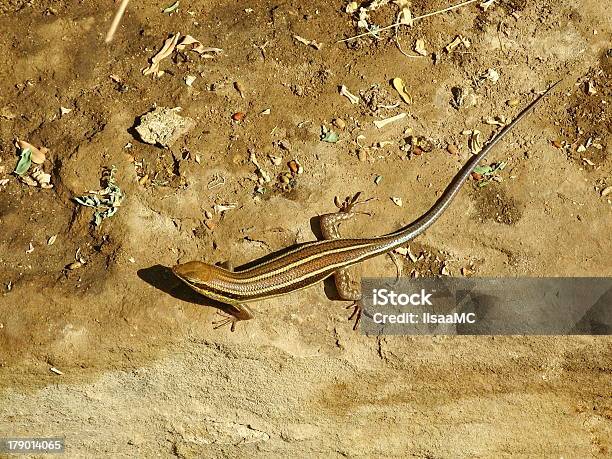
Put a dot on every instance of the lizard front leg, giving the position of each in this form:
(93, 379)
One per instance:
(236, 313)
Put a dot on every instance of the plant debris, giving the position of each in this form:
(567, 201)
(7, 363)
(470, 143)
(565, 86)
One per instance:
(379, 100)
(311, 43)
(474, 140)
(485, 174)
(419, 47)
(263, 175)
(346, 93)
(398, 85)
(459, 40)
(173, 43)
(328, 135)
(28, 155)
(382, 123)
(485, 5)
(172, 8)
(417, 145)
(105, 202)
(25, 161)
(220, 208)
(491, 75)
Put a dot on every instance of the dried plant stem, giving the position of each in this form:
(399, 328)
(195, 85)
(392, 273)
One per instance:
(116, 21)
(397, 24)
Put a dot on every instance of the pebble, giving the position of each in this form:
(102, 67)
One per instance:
(295, 166)
(238, 116)
(513, 102)
(452, 149)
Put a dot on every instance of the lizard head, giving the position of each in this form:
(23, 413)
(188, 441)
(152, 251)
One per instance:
(195, 272)
(203, 278)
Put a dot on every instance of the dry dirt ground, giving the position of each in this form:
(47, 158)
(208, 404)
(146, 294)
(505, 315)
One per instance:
(144, 372)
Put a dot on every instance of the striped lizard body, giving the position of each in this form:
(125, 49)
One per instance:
(312, 262)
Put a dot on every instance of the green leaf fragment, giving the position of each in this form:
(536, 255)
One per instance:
(107, 201)
(483, 170)
(327, 135)
(25, 161)
(488, 173)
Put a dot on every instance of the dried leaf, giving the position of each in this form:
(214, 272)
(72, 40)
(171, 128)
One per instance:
(38, 155)
(166, 50)
(486, 4)
(398, 85)
(171, 8)
(307, 42)
(419, 47)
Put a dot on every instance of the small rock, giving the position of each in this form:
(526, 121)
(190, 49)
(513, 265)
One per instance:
(238, 116)
(295, 166)
(452, 149)
(513, 102)
(163, 126)
(339, 123)
(285, 145)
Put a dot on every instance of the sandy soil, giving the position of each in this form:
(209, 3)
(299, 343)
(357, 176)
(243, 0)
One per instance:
(144, 372)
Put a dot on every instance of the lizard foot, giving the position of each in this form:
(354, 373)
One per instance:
(357, 311)
(350, 202)
(226, 319)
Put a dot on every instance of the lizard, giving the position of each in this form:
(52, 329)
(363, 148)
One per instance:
(309, 263)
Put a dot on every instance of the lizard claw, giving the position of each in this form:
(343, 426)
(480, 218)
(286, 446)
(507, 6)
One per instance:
(350, 202)
(227, 319)
(357, 311)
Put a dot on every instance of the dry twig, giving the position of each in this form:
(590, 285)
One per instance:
(116, 21)
(397, 24)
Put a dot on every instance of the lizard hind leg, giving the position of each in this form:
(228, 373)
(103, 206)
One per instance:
(347, 280)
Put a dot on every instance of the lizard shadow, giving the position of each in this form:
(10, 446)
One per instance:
(162, 278)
